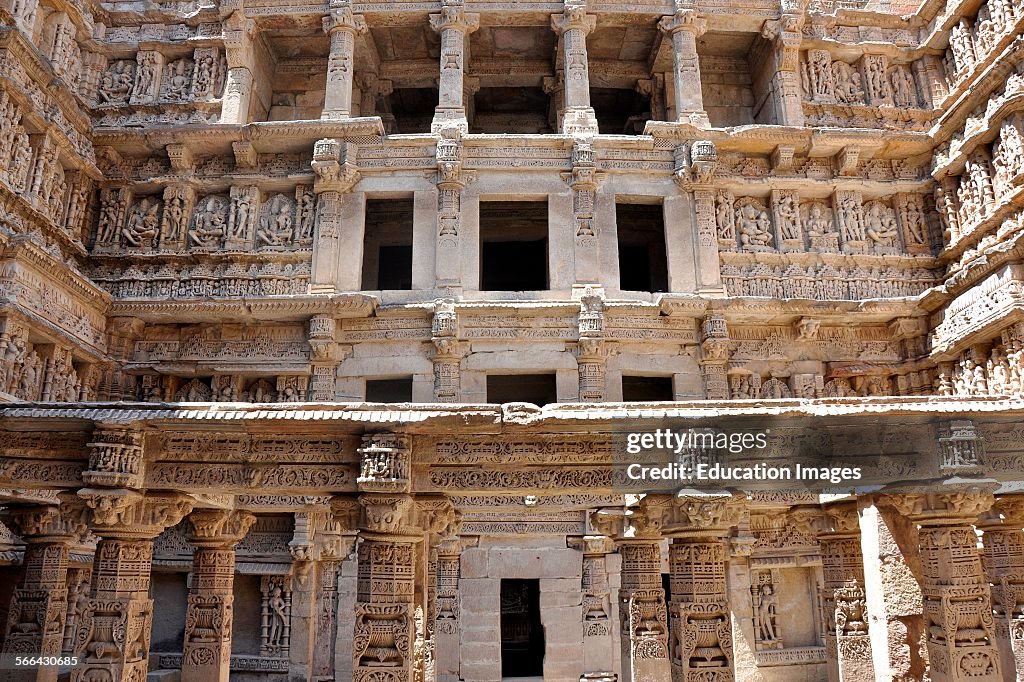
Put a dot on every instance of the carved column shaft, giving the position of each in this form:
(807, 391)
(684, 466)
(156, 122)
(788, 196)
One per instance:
(956, 595)
(847, 642)
(447, 652)
(685, 27)
(574, 25)
(208, 619)
(1003, 560)
(701, 639)
(454, 24)
(114, 632)
(39, 606)
(643, 612)
(342, 26)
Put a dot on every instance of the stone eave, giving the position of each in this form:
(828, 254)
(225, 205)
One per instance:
(283, 309)
(268, 136)
(477, 418)
(876, 310)
(24, 250)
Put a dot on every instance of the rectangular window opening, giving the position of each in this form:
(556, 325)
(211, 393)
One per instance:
(620, 111)
(389, 390)
(642, 389)
(387, 245)
(643, 264)
(539, 389)
(522, 635)
(513, 245)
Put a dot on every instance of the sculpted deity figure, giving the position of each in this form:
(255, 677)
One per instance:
(880, 225)
(847, 83)
(818, 223)
(904, 90)
(754, 226)
(177, 78)
(143, 224)
(787, 214)
(277, 618)
(766, 607)
(276, 224)
(117, 81)
(209, 226)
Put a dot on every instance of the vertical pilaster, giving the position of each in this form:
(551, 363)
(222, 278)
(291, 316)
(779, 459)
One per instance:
(685, 26)
(642, 611)
(451, 180)
(447, 643)
(334, 163)
(847, 643)
(208, 618)
(36, 619)
(238, 84)
(448, 355)
(584, 179)
(453, 24)
(956, 594)
(591, 351)
(785, 35)
(342, 25)
(1003, 559)
(598, 645)
(573, 26)
(715, 352)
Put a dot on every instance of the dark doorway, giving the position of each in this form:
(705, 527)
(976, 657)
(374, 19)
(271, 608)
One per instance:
(413, 109)
(389, 390)
(513, 245)
(647, 389)
(643, 265)
(538, 389)
(387, 248)
(620, 111)
(522, 635)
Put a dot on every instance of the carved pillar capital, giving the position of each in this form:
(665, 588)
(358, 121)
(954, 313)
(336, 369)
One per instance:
(344, 19)
(131, 515)
(217, 528)
(453, 17)
(66, 522)
(335, 166)
(942, 508)
(688, 20)
(574, 18)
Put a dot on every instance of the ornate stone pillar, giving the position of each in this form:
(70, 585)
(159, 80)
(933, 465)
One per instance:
(324, 358)
(642, 612)
(447, 642)
(591, 350)
(685, 26)
(598, 645)
(451, 180)
(208, 620)
(384, 632)
(715, 349)
(573, 26)
(35, 624)
(694, 174)
(342, 25)
(239, 82)
(956, 594)
(454, 24)
(847, 643)
(447, 353)
(584, 179)
(113, 635)
(700, 646)
(785, 35)
(334, 163)
(1003, 559)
